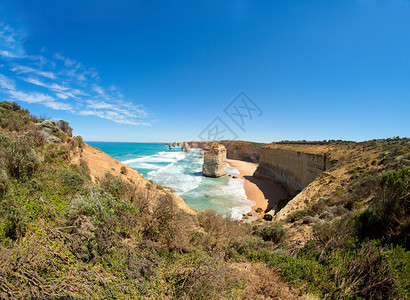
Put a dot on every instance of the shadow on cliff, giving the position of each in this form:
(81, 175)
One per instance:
(271, 190)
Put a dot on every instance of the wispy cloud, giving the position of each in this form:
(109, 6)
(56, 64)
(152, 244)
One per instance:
(11, 42)
(27, 70)
(61, 83)
(7, 83)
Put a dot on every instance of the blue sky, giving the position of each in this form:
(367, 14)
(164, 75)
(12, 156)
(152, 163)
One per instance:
(157, 71)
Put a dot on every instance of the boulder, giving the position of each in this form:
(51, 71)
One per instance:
(169, 147)
(214, 160)
(185, 147)
(268, 217)
(47, 129)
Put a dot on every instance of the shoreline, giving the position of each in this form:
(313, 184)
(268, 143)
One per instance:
(264, 193)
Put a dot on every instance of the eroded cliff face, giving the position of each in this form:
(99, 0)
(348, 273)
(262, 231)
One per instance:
(240, 150)
(100, 163)
(214, 160)
(294, 166)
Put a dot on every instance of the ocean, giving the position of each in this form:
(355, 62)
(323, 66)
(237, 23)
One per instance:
(182, 171)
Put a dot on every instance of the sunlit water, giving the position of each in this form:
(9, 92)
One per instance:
(182, 172)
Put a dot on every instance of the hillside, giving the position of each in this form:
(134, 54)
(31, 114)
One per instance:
(75, 222)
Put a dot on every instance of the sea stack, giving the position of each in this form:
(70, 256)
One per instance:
(185, 147)
(214, 160)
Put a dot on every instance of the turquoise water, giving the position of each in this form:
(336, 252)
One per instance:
(182, 172)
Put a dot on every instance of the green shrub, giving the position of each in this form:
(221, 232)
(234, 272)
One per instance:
(71, 182)
(272, 233)
(123, 170)
(115, 186)
(365, 272)
(20, 159)
(297, 215)
(65, 127)
(4, 183)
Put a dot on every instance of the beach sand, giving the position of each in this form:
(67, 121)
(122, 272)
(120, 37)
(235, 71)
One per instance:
(265, 193)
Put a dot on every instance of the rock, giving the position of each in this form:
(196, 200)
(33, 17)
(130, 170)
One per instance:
(174, 144)
(185, 147)
(169, 147)
(48, 125)
(268, 217)
(214, 160)
(47, 130)
(234, 177)
(259, 210)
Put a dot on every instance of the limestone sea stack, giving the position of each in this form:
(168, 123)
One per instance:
(185, 147)
(214, 160)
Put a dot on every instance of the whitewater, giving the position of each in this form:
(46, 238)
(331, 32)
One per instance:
(182, 171)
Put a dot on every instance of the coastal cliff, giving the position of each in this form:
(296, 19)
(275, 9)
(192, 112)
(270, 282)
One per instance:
(214, 160)
(99, 164)
(239, 150)
(294, 166)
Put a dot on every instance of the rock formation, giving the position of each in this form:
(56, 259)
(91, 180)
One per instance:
(169, 147)
(294, 166)
(214, 160)
(185, 147)
(241, 150)
(48, 129)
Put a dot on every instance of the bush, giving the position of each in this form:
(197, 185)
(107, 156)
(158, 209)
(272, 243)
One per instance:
(20, 159)
(4, 183)
(118, 188)
(297, 215)
(123, 170)
(65, 127)
(272, 233)
(71, 182)
(365, 273)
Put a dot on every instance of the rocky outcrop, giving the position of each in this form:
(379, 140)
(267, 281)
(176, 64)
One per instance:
(185, 147)
(48, 129)
(214, 160)
(198, 145)
(169, 147)
(294, 166)
(241, 150)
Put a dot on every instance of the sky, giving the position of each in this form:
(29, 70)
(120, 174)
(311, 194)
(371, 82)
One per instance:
(164, 71)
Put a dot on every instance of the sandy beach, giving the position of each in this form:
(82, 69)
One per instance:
(265, 193)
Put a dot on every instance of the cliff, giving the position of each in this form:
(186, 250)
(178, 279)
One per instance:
(294, 166)
(239, 150)
(214, 160)
(100, 163)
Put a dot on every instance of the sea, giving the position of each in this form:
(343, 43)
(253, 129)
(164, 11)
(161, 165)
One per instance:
(182, 171)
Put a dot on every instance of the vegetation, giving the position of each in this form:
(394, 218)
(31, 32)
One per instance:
(63, 235)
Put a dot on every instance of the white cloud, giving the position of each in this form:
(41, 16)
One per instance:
(53, 86)
(67, 61)
(6, 53)
(10, 42)
(31, 97)
(69, 85)
(7, 83)
(98, 89)
(58, 105)
(24, 69)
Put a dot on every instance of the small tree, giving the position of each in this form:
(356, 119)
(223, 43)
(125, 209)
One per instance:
(65, 127)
